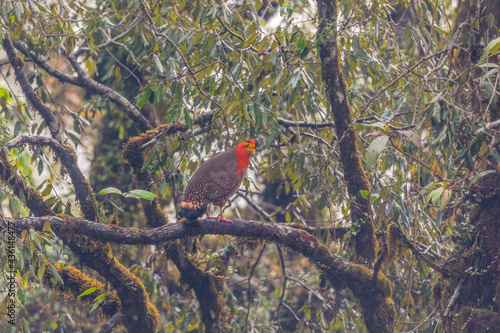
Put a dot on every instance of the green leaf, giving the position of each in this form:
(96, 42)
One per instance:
(74, 138)
(469, 162)
(171, 165)
(67, 209)
(41, 271)
(158, 93)
(144, 97)
(413, 137)
(187, 118)
(142, 194)
(158, 64)
(34, 238)
(374, 150)
(40, 167)
(26, 326)
(479, 176)
(365, 194)
(88, 291)
(97, 301)
(18, 10)
(47, 189)
(109, 190)
(55, 274)
(148, 162)
(434, 195)
(492, 48)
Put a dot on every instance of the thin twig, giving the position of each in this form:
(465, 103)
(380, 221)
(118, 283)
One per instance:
(282, 298)
(408, 71)
(249, 294)
(113, 40)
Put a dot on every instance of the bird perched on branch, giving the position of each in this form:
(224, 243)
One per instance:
(216, 181)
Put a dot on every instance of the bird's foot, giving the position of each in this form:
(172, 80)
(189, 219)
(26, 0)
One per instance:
(208, 217)
(222, 218)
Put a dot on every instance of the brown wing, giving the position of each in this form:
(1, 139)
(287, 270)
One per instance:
(222, 186)
(215, 180)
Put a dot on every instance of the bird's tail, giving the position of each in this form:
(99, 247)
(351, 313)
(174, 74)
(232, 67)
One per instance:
(192, 210)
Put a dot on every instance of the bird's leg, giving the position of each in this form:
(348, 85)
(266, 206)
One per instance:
(208, 215)
(221, 217)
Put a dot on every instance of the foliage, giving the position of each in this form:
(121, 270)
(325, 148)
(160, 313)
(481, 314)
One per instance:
(423, 85)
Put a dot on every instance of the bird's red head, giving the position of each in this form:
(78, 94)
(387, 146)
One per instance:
(243, 152)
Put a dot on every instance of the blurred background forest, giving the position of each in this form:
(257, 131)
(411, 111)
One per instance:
(378, 124)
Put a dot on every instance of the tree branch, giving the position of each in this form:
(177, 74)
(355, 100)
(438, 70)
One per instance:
(372, 293)
(291, 123)
(26, 193)
(68, 159)
(113, 40)
(130, 290)
(45, 112)
(489, 126)
(354, 174)
(85, 81)
(409, 70)
(112, 323)
(76, 282)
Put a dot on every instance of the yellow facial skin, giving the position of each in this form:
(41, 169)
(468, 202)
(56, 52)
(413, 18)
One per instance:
(251, 145)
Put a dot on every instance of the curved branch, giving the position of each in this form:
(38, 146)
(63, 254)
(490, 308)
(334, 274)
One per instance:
(278, 233)
(46, 113)
(26, 193)
(76, 282)
(374, 293)
(85, 81)
(68, 159)
(114, 39)
(44, 64)
(291, 123)
(141, 315)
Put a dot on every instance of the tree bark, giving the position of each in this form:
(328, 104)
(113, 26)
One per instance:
(336, 90)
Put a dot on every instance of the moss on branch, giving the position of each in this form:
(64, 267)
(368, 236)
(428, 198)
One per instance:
(373, 293)
(336, 90)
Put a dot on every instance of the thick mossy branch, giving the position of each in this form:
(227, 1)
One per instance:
(140, 313)
(133, 151)
(476, 320)
(112, 323)
(94, 254)
(204, 285)
(336, 90)
(374, 293)
(69, 160)
(474, 308)
(76, 282)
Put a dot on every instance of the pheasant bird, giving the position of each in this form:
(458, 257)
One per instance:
(216, 181)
